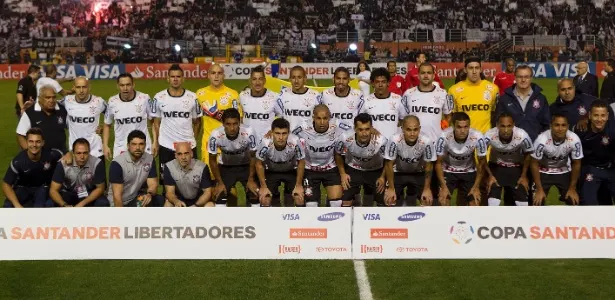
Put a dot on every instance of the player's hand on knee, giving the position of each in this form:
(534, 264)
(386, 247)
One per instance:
(345, 178)
(299, 199)
(490, 182)
(426, 198)
(380, 185)
(523, 182)
(180, 203)
(264, 193)
(573, 196)
(219, 189)
(252, 187)
(539, 197)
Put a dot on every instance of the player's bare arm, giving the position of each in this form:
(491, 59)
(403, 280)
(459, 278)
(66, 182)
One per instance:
(10, 194)
(172, 198)
(54, 194)
(215, 170)
(539, 195)
(388, 176)
(105, 136)
(251, 185)
(444, 195)
(339, 161)
(480, 173)
(205, 200)
(427, 195)
(196, 126)
(574, 178)
(156, 130)
(298, 192)
(118, 189)
(523, 180)
(264, 194)
(21, 141)
(491, 178)
(152, 189)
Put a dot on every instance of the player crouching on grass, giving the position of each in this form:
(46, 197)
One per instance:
(280, 158)
(236, 160)
(456, 166)
(186, 180)
(555, 151)
(509, 162)
(362, 164)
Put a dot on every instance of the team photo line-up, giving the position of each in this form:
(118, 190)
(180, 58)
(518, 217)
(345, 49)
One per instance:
(494, 142)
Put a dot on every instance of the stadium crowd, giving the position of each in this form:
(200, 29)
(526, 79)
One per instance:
(409, 134)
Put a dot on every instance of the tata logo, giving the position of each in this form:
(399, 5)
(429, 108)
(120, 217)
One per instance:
(371, 217)
(331, 216)
(290, 217)
(409, 217)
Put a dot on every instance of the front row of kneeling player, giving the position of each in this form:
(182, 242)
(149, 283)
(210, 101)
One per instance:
(323, 152)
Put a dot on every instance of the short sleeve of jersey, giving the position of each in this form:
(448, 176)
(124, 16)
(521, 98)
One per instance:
(539, 147)
(252, 138)
(109, 114)
(58, 174)
(149, 110)
(481, 147)
(262, 150)
(212, 144)
(577, 149)
(340, 146)
(152, 172)
(528, 146)
(167, 178)
(206, 179)
(300, 149)
(116, 175)
(429, 154)
(441, 144)
(278, 109)
(99, 173)
(197, 112)
(154, 108)
(20, 86)
(390, 151)
(448, 105)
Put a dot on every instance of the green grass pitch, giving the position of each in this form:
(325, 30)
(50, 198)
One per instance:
(290, 279)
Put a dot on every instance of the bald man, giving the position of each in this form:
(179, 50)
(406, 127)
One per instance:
(84, 110)
(585, 82)
(575, 107)
(186, 180)
(214, 99)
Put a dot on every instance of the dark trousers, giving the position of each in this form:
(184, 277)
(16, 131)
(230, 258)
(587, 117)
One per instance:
(29, 196)
(593, 182)
(71, 198)
(157, 201)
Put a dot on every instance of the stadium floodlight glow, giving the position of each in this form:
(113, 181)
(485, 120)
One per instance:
(177, 48)
(352, 47)
(313, 45)
(127, 46)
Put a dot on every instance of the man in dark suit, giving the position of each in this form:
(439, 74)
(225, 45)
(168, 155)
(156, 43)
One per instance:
(585, 82)
(607, 92)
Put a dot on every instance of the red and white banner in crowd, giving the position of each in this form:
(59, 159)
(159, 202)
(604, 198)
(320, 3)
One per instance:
(313, 70)
(13, 72)
(484, 232)
(160, 71)
(163, 233)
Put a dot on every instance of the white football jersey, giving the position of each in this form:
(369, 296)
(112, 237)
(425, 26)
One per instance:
(509, 154)
(258, 112)
(127, 116)
(555, 158)
(296, 108)
(410, 159)
(176, 115)
(385, 113)
(232, 152)
(83, 119)
(363, 158)
(345, 107)
(320, 147)
(284, 160)
(459, 158)
(428, 107)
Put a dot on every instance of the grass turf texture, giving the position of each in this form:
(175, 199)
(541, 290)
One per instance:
(183, 279)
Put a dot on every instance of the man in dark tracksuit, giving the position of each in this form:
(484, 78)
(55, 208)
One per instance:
(530, 112)
(598, 169)
(607, 91)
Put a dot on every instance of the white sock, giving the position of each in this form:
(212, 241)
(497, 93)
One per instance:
(220, 205)
(494, 201)
(255, 205)
(521, 203)
(336, 203)
(311, 204)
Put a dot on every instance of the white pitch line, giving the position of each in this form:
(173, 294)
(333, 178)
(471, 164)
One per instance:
(365, 290)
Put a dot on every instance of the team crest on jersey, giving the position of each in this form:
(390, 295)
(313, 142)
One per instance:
(332, 136)
(350, 105)
(393, 105)
(60, 120)
(489, 87)
(93, 110)
(266, 105)
(139, 108)
(224, 99)
(582, 110)
(398, 85)
(536, 104)
(196, 179)
(589, 177)
(46, 166)
(487, 95)
(307, 102)
(605, 140)
(146, 167)
(459, 89)
(88, 176)
(186, 104)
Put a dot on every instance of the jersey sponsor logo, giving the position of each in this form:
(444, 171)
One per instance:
(460, 157)
(256, 116)
(131, 120)
(409, 160)
(471, 107)
(556, 157)
(83, 120)
(177, 114)
(426, 109)
(362, 159)
(384, 118)
(238, 152)
(298, 113)
(343, 116)
(321, 149)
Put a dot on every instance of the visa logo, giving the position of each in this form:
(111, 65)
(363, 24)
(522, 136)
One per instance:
(290, 217)
(371, 217)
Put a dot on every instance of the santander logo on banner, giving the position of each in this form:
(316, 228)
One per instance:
(161, 71)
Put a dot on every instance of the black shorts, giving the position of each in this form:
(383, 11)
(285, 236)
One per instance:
(166, 155)
(326, 178)
(275, 179)
(560, 181)
(233, 174)
(415, 182)
(190, 202)
(461, 181)
(365, 179)
(507, 178)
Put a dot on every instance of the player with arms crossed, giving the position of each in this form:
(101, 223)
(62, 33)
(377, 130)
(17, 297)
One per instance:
(362, 164)
(281, 158)
(382, 105)
(551, 162)
(456, 166)
(343, 101)
(235, 162)
(509, 162)
(186, 180)
(258, 104)
(297, 104)
(321, 137)
(411, 156)
(177, 117)
(127, 111)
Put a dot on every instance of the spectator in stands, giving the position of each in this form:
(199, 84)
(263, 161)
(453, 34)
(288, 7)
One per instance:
(585, 82)
(607, 91)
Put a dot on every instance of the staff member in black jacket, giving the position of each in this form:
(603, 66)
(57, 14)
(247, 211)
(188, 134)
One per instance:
(26, 89)
(607, 92)
(585, 82)
(525, 102)
(575, 107)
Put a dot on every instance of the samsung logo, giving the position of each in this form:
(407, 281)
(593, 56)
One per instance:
(409, 217)
(331, 216)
